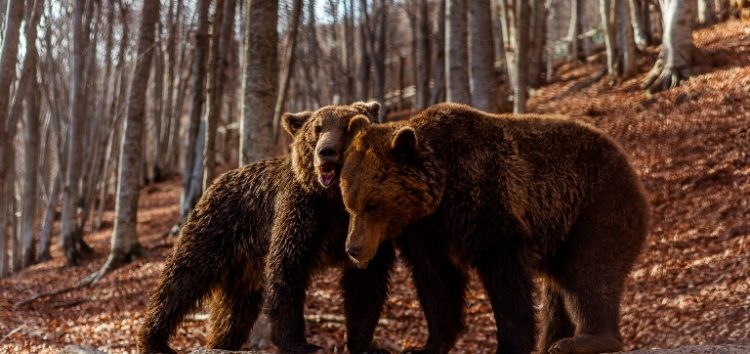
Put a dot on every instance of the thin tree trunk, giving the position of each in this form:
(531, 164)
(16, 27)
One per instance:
(574, 30)
(678, 51)
(379, 54)
(8, 60)
(125, 245)
(520, 91)
(626, 49)
(438, 91)
(199, 88)
(261, 82)
(705, 13)
(289, 56)
(49, 220)
(537, 39)
(72, 236)
(457, 60)
(424, 56)
(364, 55)
(31, 167)
(484, 81)
(223, 26)
(608, 27)
(640, 32)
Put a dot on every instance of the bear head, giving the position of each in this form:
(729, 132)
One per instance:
(388, 181)
(320, 140)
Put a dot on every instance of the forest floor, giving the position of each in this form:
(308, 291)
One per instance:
(691, 145)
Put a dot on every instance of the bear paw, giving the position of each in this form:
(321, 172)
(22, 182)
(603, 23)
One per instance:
(304, 348)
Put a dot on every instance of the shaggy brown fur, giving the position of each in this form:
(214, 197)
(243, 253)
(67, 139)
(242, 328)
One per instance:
(507, 196)
(227, 241)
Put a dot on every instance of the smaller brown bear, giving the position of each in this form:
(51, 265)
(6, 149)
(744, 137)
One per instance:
(227, 242)
(506, 196)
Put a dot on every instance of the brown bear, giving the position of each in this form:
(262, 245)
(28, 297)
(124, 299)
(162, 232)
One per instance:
(507, 196)
(227, 242)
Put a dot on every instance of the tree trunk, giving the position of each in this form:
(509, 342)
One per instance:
(49, 220)
(364, 56)
(125, 245)
(637, 16)
(261, 82)
(31, 167)
(537, 40)
(484, 81)
(457, 60)
(438, 91)
(515, 25)
(608, 27)
(72, 236)
(224, 26)
(424, 56)
(705, 13)
(289, 56)
(626, 49)
(574, 29)
(198, 91)
(8, 60)
(678, 51)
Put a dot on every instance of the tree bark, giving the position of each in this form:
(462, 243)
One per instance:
(424, 53)
(72, 236)
(626, 49)
(484, 81)
(224, 26)
(31, 167)
(260, 83)
(537, 40)
(364, 56)
(200, 56)
(637, 17)
(49, 220)
(574, 29)
(678, 51)
(289, 56)
(457, 60)
(608, 27)
(125, 245)
(438, 91)
(8, 60)
(515, 24)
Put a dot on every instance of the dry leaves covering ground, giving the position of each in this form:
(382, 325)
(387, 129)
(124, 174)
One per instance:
(691, 145)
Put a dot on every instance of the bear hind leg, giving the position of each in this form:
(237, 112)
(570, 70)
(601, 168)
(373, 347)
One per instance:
(234, 308)
(555, 321)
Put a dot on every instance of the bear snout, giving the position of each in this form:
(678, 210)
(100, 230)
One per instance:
(328, 154)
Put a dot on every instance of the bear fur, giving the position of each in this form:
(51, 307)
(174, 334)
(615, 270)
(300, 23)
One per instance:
(509, 197)
(238, 227)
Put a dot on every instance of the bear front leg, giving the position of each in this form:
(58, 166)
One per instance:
(365, 292)
(294, 246)
(509, 286)
(440, 288)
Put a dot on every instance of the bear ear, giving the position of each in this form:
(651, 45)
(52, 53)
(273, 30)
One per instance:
(292, 122)
(404, 141)
(371, 109)
(357, 123)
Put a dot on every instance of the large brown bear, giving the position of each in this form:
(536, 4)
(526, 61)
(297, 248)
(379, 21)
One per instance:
(507, 196)
(227, 242)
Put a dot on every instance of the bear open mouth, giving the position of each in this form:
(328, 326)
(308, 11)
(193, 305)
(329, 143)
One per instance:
(327, 173)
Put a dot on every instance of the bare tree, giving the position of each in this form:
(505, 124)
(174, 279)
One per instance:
(260, 81)
(638, 16)
(678, 51)
(364, 55)
(190, 186)
(438, 91)
(8, 60)
(223, 26)
(289, 56)
(424, 55)
(457, 58)
(484, 81)
(619, 40)
(125, 245)
(514, 15)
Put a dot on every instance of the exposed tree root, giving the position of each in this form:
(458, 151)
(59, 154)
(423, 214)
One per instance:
(114, 261)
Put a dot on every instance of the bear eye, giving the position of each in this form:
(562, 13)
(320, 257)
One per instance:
(318, 128)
